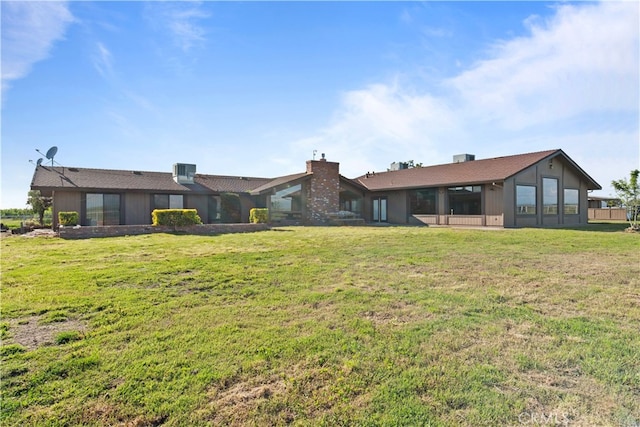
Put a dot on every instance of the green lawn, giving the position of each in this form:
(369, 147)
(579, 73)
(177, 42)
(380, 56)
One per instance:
(324, 326)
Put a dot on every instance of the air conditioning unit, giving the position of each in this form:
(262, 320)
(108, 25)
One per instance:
(184, 173)
(461, 158)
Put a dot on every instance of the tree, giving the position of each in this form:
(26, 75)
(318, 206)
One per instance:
(629, 194)
(39, 203)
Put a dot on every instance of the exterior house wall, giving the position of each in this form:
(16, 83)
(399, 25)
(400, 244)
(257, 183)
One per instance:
(548, 168)
(398, 207)
(66, 201)
(246, 204)
(137, 208)
(442, 202)
(323, 192)
(493, 199)
(528, 176)
(199, 203)
(320, 193)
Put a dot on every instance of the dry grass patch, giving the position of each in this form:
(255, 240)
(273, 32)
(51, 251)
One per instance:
(31, 333)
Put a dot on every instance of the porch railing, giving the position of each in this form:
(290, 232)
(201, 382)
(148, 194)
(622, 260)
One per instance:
(469, 220)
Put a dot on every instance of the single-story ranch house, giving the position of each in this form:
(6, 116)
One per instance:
(538, 189)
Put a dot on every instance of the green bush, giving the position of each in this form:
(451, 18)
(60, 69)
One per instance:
(230, 208)
(259, 215)
(68, 218)
(175, 217)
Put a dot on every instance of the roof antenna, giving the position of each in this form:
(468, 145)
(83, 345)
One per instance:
(314, 154)
(37, 163)
(51, 153)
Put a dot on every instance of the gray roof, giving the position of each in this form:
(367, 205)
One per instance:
(48, 178)
(266, 187)
(464, 173)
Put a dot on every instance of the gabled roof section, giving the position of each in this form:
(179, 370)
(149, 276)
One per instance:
(57, 178)
(353, 182)
(276, 182)
(465, 173)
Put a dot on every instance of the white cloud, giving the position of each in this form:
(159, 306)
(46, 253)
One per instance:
(583, 59)
(384, 121)
(572, 83)
(181, 20)
(29, 31)
(103, 61)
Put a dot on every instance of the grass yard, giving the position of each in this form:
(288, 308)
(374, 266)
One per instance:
(324, 326)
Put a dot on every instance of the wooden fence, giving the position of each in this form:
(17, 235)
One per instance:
(618, 214)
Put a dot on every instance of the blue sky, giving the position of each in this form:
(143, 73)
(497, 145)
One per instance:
(253, 88)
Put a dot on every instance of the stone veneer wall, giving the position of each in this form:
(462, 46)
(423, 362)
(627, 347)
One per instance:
(132, 230)
(323, 191)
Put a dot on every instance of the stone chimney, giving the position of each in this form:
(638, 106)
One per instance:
(323, 191)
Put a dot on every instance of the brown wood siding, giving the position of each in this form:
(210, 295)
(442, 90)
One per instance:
(200, 204)
(509, 197)
(567, 178)
(443, 201)
(397, 207)
(494, 220)
(475, 220)
(246, 204)
(493, 199)
(137, 208)
(66, 201)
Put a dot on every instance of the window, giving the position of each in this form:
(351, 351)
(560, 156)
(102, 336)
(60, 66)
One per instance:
(103, 209)
(213, 209)
(549, 196)
(287, 203)
(423, 201)
(465, 200)
(168, 201)
(571, 201)
(525, 199)
(379, 209)
(351, 203)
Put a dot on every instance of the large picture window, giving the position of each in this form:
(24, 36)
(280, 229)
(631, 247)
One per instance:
(550, 196)
(465, 200)
(287, 203)
(571, 201)
(103, 209)
(423, 201)
(526, 199)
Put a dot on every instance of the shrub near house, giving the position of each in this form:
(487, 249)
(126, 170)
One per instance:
(259, 215)
(68, 219)
(175, 217)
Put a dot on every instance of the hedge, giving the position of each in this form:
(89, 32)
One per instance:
(230, 208)
(259, 215)
(68, 219)
(175, 217)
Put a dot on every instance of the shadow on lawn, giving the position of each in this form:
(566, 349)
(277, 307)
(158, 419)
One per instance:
(603, 226)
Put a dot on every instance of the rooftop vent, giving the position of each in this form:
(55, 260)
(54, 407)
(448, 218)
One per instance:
(183, 173)
(461, 158)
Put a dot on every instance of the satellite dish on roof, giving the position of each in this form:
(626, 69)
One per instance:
(39, 162)
(51, 152)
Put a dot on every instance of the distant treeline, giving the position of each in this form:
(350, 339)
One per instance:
(15, 212)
